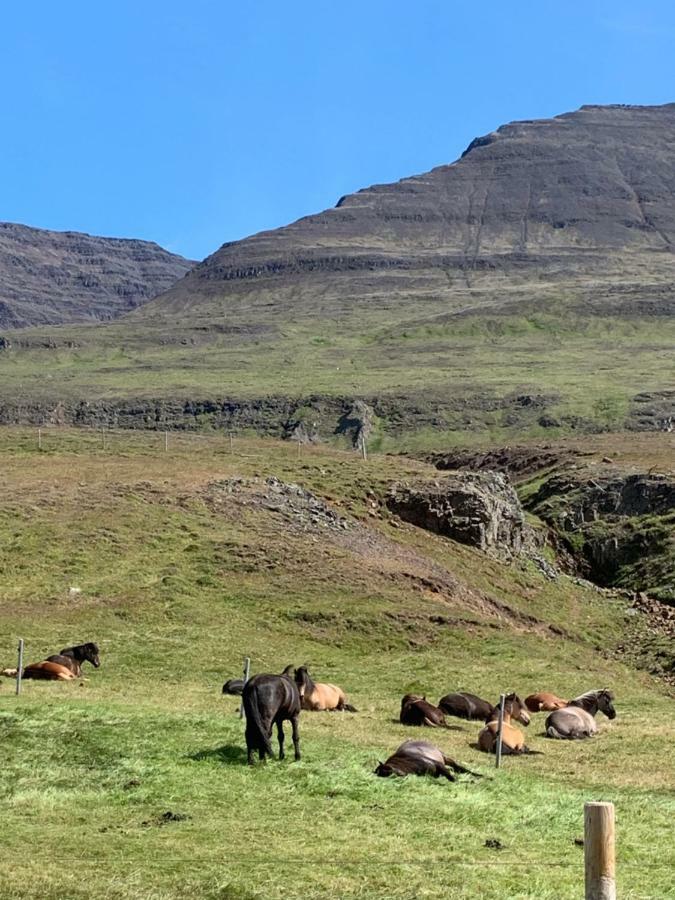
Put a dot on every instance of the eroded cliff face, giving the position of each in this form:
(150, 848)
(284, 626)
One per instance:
(479, 509)
(621, 528)
(53, 277)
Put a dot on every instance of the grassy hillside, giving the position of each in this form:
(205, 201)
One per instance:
(445, 380)
(183, 570)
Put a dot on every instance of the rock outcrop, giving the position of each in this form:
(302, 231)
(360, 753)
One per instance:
(479, 509)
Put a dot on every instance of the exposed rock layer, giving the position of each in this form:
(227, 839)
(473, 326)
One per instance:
(479, 509)
(52, 277)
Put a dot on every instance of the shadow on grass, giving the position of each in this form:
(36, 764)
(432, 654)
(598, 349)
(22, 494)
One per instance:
(229, 754)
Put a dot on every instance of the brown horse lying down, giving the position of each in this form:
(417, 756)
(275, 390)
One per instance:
(577, 720)
(466, 706)
(421, 758)
(45, 671)
(513, 739)
(544, 702)
(63, 666)
(317, 696)
(416, 711)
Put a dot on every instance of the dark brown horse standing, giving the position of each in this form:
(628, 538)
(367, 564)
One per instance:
(421, 758)
(416, 711)
(269, 700)
(466, 706)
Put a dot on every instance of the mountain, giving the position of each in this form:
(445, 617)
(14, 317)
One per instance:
(556, 200)
(526, 289)
(53, 277)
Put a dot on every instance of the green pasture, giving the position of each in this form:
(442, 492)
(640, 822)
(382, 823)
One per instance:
(132, 782)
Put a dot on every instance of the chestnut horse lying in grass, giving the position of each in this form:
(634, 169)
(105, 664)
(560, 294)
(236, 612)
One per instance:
(544, 702)
(421, 758)
(63, 666)
(317, 696)
(577, 720)
(416, 711)
(513, 739)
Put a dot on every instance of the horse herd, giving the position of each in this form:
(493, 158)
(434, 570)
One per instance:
(270, 700)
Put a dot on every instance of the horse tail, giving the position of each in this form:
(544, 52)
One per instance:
(350, 708)
(527, 750)
(254, 722)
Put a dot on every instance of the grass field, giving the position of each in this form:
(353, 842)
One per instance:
(476, 358)
(183, 571)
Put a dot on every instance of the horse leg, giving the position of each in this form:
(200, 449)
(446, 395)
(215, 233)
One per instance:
(280, 735)
(445, 772)
(296, 737)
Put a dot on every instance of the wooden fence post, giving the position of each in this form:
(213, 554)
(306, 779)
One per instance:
(247, 669)
(500, 726)
(166, 441)
(39, 439)
(599, 862)
(19, 668)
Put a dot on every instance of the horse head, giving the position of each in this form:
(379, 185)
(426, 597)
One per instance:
(91, 653)
(82, 652)
(301, 679)
(516, 708)
(605, 698)
(411, 698)
(384, 770)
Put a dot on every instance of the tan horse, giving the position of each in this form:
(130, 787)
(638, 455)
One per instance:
(44, 671)
(544, 702)
(513, 739)
(316, 696)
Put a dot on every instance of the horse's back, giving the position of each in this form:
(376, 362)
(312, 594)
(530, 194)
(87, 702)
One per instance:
(48, 671)
(276, 694)
(570, 722)
(465, 706)
(544, 702)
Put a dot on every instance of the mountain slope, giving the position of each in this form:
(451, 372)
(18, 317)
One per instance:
(52, 277)
(528, 288)
(550, 197)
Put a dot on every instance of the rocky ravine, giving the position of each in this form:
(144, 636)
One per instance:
(54, 277)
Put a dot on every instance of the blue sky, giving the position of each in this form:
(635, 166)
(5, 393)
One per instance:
(193, 123)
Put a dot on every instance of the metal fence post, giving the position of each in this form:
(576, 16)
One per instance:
(247, 669)
(500, 726)
(19, 668)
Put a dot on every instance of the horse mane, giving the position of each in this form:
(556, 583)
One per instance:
(306, 679)
(589, 698)
(78, 651)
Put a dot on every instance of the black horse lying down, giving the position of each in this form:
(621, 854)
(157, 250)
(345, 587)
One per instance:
(466, 706)
(73, 657)
(421, 758)
(234, 686)
(269, 699)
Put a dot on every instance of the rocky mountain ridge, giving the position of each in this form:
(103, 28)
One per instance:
(52, 277)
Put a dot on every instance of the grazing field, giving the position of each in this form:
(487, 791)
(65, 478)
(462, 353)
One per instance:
(132, 782)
